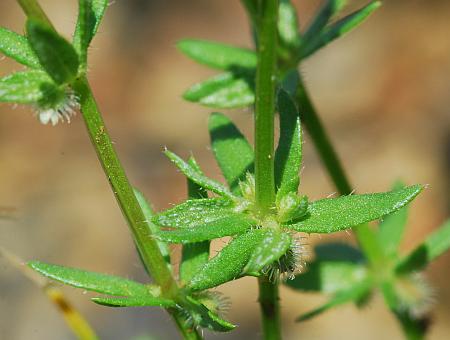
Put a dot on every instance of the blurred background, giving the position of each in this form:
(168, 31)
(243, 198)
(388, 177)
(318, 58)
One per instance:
(383, 92)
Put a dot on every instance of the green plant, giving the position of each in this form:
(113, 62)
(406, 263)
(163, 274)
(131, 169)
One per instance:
(260, 207)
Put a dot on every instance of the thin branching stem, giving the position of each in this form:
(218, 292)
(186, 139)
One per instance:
(147, 247)
(264, 148)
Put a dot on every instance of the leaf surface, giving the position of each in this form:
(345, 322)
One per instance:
(434, 246)
(355, 294)
(90, 14)
(217, 55)
(134, 301)
(97, 282)
(233, 152)
(338, 29)
(335, 214)
(229, 263)
(228, 226)
(28, 87)
(206, 318)
(154, 229)
(16, 46)
(55, 54)
(194, 255)
(195, 212)
(273, 245)
(191, 172)
(288, 156)
(224, 91)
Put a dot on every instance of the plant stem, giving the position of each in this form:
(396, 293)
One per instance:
(148, 248)
(265, 105)
(34, 11)
(270, 308)
(331, 161)
(264, 146)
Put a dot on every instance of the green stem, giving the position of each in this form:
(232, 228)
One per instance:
(270, 308)
(331, 161)
(265, 105)
(264, 148)
(34, 11)
(147, 246)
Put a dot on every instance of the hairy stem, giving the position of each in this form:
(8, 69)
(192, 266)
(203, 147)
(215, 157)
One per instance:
(147, 247)
(265, 105)
(270, 309)
(264, 148)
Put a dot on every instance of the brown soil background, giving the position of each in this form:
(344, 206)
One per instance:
(383, 92)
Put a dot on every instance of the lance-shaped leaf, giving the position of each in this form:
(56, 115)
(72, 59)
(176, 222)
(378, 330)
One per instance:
(391, 229)
(229, 263)
(217, 55)
(288, 28)
(149, 214)
(338, 29)
(288, 156)
(191, 172)
(230, 225)
(224, 91)
(134, 301)
(321, 19)
(205, 318)
(192, 213)
(329, 277)
(335, 214)
(28, 87)
(16, 46)
(194, 255)
(435, 245)
(90, 14)
(97, 282)
(355, 294)
(55, 54)
(337, 266)
(274, 244)
(233, 152)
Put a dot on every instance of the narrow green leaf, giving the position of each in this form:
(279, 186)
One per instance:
(329, 277)
(326, 12)
(354, 294)
(90, 14)
(195, 212)
(134, 301)
(16, 46)
(97, 282)
(231, 225)
(273, 245)
(196, 177)
(229, 263)
(224, 91)
(335, 214)
(338, 252)
(149, 214)
(233, 152)
(28, 87)
(288, 28)
(195, 191)
(338, 29)
(193, 255)
(55, 54)
(288, 156)
(435, 245)
(217, 55)
(205, 318)
(391, 229)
